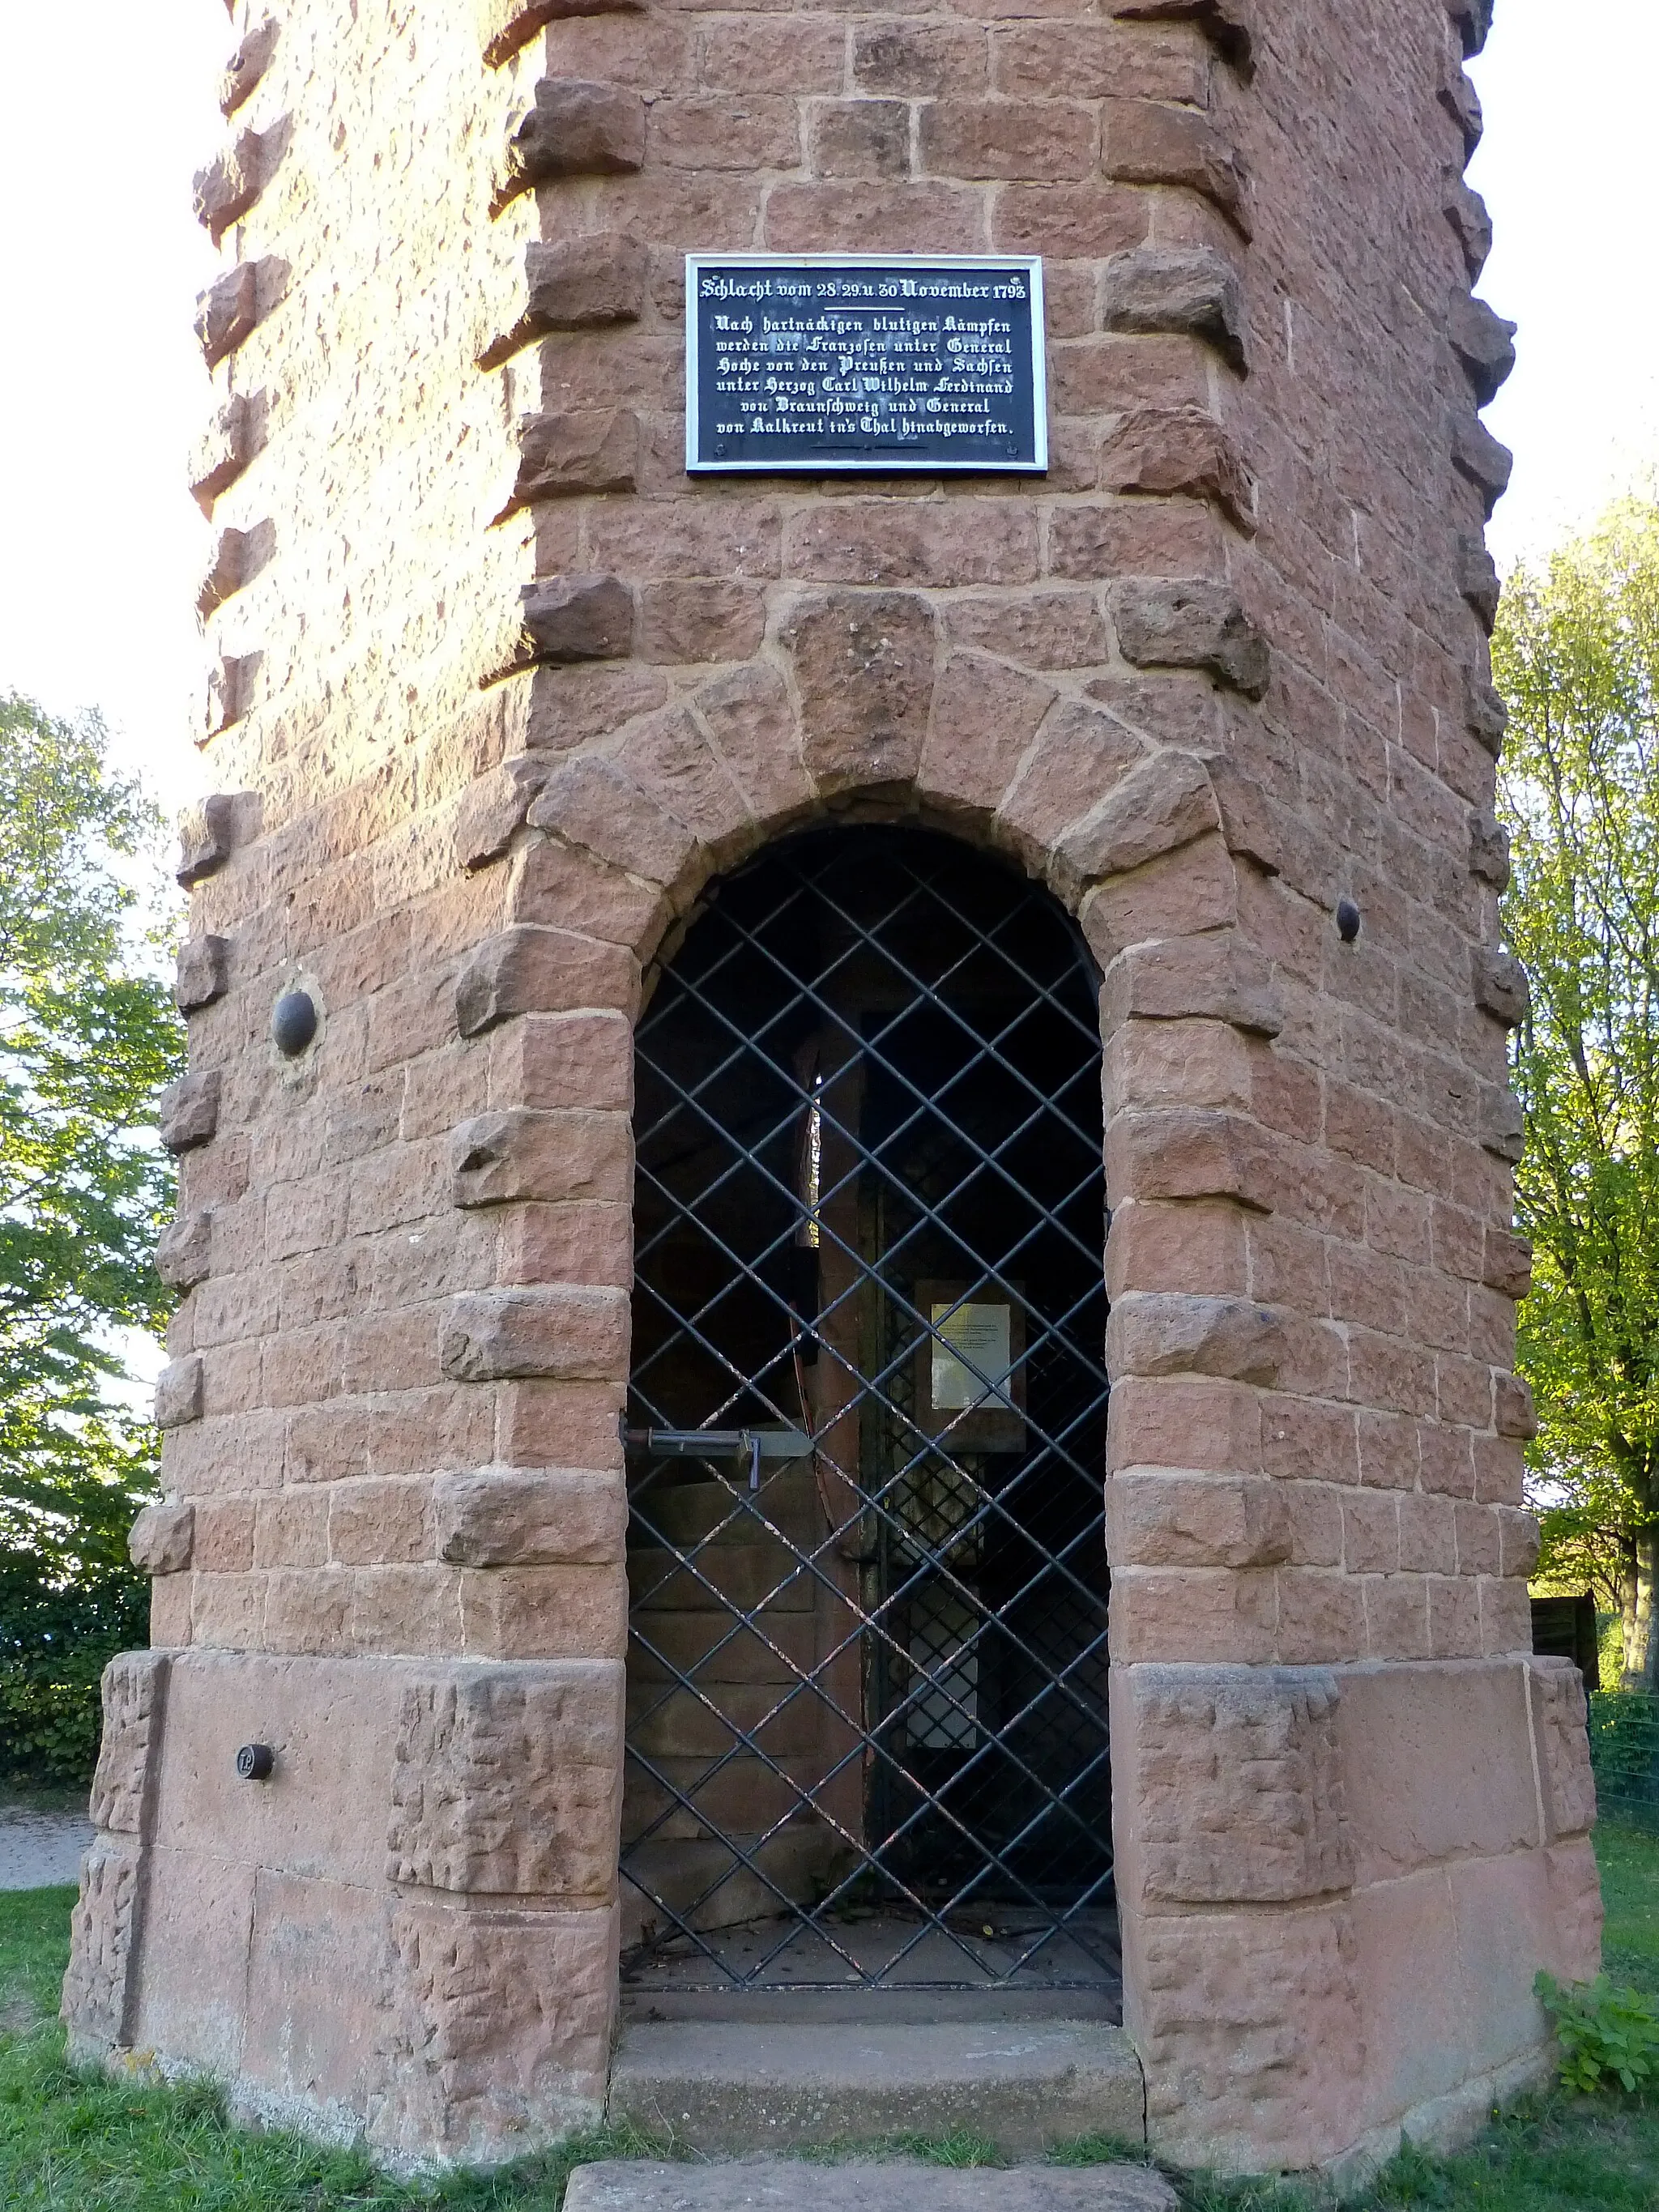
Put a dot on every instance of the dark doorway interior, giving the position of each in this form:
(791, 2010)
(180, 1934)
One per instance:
(867, 1736)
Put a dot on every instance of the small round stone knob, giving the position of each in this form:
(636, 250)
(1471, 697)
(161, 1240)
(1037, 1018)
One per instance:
(254, 1761)
(294, 1022)
(1348, 920)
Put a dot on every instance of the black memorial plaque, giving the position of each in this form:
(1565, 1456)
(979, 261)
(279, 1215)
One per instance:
(821, 361)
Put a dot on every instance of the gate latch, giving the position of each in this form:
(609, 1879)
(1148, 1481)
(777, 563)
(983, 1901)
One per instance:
(751, 1445)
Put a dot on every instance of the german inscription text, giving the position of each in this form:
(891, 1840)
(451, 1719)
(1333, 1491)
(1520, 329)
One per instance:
(827, 362)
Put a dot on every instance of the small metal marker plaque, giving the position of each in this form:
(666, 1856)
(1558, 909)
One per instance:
(819, 361)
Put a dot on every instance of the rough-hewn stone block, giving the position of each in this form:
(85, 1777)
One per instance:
(1485, 714)
(1180, 449)
(861, 138)
(564, 1335)
(223, 192)
(1459, 98)
(1478, 455)
(210, 833)
(1465, 211)
(247, 65)
(1217, 977)
(1190, 1153)
(1250, 823)
(985, 717)
(1507, 1265)
(1489, 851)
(517, 1153)
(1519, 1541)
(227, 311)
(1559, 1719)
(183, 1250)
(230, 441)
(594, 449)
(1165, 1520)
(577, 129)
(230, 691)
(701, 619)
(231, 307)
(507, 1781)
(1472, 20)
(201, 973)
(577, 618)
(1513, 1413)
(587, 282)
(1253, 2035)
(700, 131)
(590, 283)
(1230, 24)
(1191, 290)
(494, 809)
(1484, 344)
(1500, 985)
(161, 1538)
(1477, 581)
(1040, 143)
(1192, 625)
(237, 558)
(530, 1517)
(472, 2080)
(593, 802)
(1160, 806)
(1167, 1333)
(187, 1113)
(99, 1988)
(1151, 143)
(1242, 1799)
(179, 1392)
(920, 59)
(505, 26)
(1574, 1893)
(529, 970)
(1503, 1123)
(134, 1693)
(863, 664)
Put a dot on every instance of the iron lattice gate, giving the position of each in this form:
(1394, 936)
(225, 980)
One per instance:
(867, 1735)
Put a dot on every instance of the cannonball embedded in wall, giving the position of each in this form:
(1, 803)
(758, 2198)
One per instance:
(1348, 920)
(294, 1022)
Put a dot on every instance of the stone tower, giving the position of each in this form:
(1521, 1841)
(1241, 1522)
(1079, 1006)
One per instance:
(502, 694)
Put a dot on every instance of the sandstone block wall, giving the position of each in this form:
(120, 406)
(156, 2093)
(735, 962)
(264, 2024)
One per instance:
(497, 689)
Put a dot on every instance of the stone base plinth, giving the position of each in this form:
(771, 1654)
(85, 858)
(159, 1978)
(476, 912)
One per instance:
(1337, 1885)
(407, 1934)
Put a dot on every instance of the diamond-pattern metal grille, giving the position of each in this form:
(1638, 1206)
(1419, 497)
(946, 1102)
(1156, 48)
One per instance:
(867, 1735)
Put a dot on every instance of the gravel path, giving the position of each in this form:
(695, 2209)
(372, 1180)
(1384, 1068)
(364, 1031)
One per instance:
(37, 1849)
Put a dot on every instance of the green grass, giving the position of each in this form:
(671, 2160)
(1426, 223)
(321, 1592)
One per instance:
(74, 2142)
(1630, 1890)
(71, 2141)
(33, 1952)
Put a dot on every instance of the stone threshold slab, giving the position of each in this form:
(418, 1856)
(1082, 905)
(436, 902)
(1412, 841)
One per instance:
(877, 2008)
(728, 2088)
(790, 2185)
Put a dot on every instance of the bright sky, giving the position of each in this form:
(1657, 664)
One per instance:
(101, 390)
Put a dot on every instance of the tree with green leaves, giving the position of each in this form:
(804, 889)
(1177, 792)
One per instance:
(88, 1036)
(1577, 657)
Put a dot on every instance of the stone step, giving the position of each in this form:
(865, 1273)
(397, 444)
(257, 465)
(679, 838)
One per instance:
(786, 2185)
(726, 2088)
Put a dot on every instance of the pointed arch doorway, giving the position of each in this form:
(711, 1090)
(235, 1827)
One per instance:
(867, 1740)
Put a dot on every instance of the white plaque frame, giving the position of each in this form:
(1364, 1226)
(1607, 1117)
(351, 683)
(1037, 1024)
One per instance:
(865, 464)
